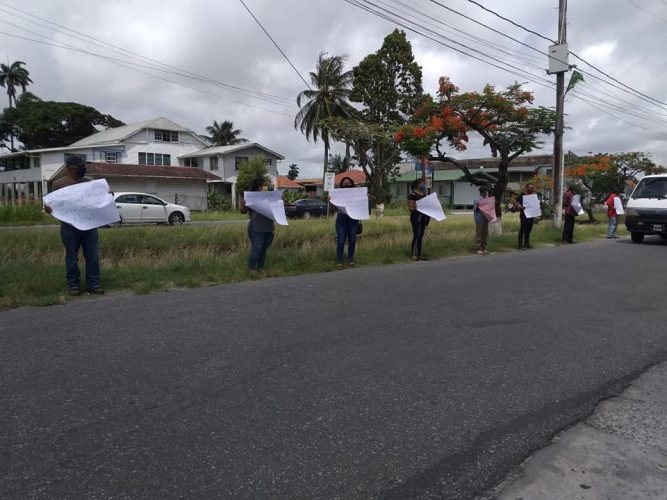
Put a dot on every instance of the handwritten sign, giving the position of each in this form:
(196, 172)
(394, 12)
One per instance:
(85, 206)
(268, 203)
(488, 208)
(618, 206)
(531, 204)
(430, 205)
(352, 201)
(576, 204)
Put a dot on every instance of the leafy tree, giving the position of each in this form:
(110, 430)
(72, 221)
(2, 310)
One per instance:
(249, 171)
(45, 124)
(338, 165)
(505, 119)
(328, 99)
(603, 172)
(224, 134)
(388, 85)
(12, 76)
(293, 172)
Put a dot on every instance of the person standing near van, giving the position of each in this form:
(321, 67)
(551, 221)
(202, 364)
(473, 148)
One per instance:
(612, 215)
(569, 213)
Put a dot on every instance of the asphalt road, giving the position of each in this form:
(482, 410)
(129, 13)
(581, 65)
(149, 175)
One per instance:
(423, 380)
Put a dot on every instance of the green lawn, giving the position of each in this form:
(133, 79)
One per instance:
(148, 258)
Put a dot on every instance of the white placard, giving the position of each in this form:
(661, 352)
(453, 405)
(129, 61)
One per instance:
(576, 204)
(430, 205)
(351, 201)
(268, 203)
(531, 204)
(618, 206)
(329, 181)
(85, 205)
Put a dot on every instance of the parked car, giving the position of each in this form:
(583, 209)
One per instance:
(306, 208)
(143, 208)
(646, 211)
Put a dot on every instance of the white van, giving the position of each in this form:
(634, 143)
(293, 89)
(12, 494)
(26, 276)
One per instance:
(646, 212)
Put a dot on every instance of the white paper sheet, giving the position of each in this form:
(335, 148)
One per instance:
(618, 206)
(85, 206)
(268, 203)
(431, 206)
(531, 205)
(576, 204)
(488, 208)
(351, 201)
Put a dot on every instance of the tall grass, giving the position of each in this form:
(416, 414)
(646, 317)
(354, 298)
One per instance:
(144, 259)
(24, 215)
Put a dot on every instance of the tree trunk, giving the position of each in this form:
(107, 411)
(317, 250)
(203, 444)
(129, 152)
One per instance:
(501, 186)
(326, 155)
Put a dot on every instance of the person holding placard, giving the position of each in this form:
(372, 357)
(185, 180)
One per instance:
(612, 214)
(261, 230)
(418, 220)
(526, 223)
(74, 239)
(481, 223)
(569, 213)
(347, 229)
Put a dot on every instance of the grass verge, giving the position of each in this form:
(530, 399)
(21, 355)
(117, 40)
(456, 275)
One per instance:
(145, 259)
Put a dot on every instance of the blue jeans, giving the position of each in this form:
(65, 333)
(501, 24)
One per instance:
(259, 242)
(73, 240)
(611, 227)
(346, 229)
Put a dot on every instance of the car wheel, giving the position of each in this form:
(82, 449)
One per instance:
(637, 237)
(663, 236)
(307, 215)
(176, 218)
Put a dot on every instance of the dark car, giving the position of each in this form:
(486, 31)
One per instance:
(306, 208)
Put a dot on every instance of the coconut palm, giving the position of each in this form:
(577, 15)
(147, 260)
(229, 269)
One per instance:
(327, 99)
(223, 134)
(12, 76)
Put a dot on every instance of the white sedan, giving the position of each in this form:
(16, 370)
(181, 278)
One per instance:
(142, 208)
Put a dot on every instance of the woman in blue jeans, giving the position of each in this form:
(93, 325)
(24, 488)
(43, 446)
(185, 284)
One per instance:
(346, 229)
(260, 231)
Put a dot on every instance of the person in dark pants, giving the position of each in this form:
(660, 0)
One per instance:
(346, 229)
(481, 224)
(526, 223)
(260, 231)
(569, 213)
(418, 220)
(74, 239)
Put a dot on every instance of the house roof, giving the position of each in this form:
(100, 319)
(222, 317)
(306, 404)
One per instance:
(285, 182)
(117, 134)
(223, 150)
(357, 176)
(311, 182)
(123, 170)
(438, 175)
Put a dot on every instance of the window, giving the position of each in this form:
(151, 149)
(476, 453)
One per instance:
(112, 156)
(150, 200)
(190, 162)
(213, 161)
(269, 162)
(240, 159)
(166, 136)
(128, 198)
(154, 159)
(36, 161)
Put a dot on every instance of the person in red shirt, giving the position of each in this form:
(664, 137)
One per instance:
(569, 213)
(613, 216)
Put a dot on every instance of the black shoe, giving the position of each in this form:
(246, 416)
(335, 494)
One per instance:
(96, 291)
(74, 292)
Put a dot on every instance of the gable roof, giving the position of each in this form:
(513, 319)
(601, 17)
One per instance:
(285, 182)
(125, 170)
(117, 134)
(223, 150)
(357, 176)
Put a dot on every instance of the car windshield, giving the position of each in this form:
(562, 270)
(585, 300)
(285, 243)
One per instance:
(651, 187)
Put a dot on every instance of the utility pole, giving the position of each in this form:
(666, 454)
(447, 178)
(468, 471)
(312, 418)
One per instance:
(560, 106)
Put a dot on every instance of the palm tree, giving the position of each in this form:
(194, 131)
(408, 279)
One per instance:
(328, 99)
(12, 76)
(223, 134)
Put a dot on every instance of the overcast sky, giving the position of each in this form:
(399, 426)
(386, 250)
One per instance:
(219, 40)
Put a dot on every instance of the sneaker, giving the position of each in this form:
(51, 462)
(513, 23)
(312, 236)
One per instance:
(414, 257)
(339, 266)
(96, 290)
(485, 252)
(480, 252)
(351, 264)
(74, 292)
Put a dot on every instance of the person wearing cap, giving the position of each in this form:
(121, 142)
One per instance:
(74, 239)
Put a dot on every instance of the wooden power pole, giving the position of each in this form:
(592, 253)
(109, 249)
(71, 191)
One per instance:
(561, 69)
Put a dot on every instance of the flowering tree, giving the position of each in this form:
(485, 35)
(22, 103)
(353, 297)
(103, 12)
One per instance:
(506, 121)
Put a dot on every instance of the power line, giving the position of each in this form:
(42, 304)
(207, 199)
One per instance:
(277, 46)
(511, 22)
(646, 11)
